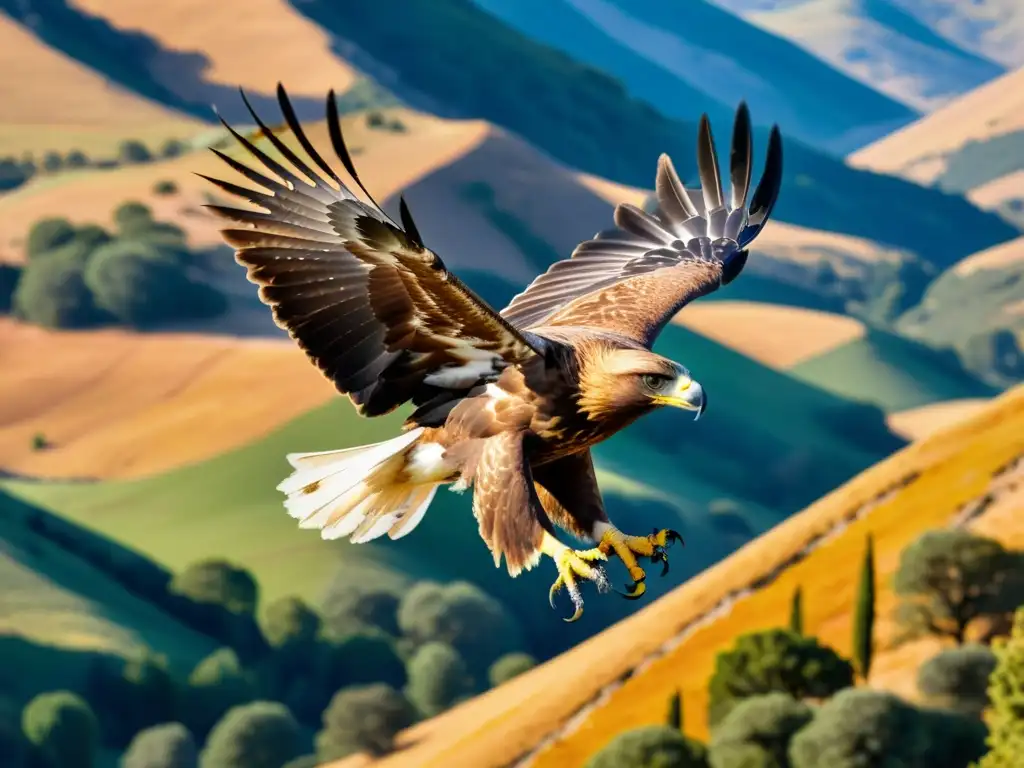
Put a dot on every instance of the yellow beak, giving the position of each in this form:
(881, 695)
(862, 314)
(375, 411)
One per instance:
(687, 394)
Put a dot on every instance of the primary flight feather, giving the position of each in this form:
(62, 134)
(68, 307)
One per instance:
(508, 403)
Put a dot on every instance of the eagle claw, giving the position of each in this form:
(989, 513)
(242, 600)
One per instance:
(572, 567)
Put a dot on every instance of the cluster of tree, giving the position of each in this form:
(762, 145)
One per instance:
(14, 171)
(780, 699)
(140, 275)
(379, 662)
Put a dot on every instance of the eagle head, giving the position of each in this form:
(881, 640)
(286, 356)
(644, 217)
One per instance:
(631, 382)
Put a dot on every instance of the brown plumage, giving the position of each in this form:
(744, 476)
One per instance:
(508, 403)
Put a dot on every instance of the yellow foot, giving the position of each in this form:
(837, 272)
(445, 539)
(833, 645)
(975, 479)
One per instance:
(573, 567)
(628, 548)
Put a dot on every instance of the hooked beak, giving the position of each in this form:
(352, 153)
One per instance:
(688, 395)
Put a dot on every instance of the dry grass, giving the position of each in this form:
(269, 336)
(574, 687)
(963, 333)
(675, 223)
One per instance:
(997, 191)
(54, 102)
(118, 404)
(955, 467)
(267, 42)
(998, 256)
(776, 335)
(919, 423)
(916, 152)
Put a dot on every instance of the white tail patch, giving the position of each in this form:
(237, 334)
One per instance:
(366, 491)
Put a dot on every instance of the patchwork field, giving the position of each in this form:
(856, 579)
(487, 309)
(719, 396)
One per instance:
(672, 643)
(919, 423)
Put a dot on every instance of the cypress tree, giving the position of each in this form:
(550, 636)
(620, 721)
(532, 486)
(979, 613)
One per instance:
(864, 618)
(796, 613)
(675, 711)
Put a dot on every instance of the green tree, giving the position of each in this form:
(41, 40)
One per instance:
(1005, 716)
(757, 732)
(52, 291)
(463, 616)
(651, 746)
(290, 621)
(62, 729)
(173, 148)
(438, 678)
(217, 684)
(52, 162)
(263, 734)
(674, 718)
(775, 660)
(864, 616)
(948, 578)
(133, 151)
(363, 719)
(165, 187)
(132, 216)
(131, 695)
(76, 159)
(796, 612)
(350, 608)
(957, 679)
(162, 746)
(218, 582)
(863, 727)
(47, 234)
(508, 666)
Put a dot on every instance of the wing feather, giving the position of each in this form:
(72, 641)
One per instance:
(373, 308)
(633, 278)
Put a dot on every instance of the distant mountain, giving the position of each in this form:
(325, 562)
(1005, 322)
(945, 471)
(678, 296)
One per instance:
(893, 46)
(685, 57)
(993, 29)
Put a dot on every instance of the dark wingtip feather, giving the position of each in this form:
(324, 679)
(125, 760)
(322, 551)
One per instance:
(407, 222)
(707, 165)
(741, 158)
(767, 191)
(671, 194)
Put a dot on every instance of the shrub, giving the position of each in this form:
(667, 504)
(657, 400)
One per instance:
(62, 730)
(132, 216)
(438, 678)
(131, 696)
(508, 666)
(165, 187)
(757, 732)
(957, 679)
(652, 746)
(173, 148)
(1005, 717)
(76, 159)
(217, 684)
(364, 657)
(350, 608)
(775, 660)
(52, 291)
(290, 621)
(462, 616)
(220, 583)
(860, 727)
(375, 119)
(52, 162)
(363, 719)
(949, 578)
(674, 718)
(262, 734)
(162, 746)
(133, 151)
(47, 234)
(796, 612)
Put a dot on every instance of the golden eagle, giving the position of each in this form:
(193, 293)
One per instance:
(507, 402)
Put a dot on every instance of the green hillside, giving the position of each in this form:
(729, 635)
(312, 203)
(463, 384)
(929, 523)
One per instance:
(891, 372)
(59, 613)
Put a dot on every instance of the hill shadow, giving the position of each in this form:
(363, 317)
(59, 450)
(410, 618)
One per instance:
(126, 58)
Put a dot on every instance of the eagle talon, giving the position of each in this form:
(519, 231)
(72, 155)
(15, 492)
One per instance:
(634, 591)
(574, 566)
(659, 556)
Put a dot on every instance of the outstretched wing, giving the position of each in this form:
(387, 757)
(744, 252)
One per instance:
(632, 279)
(374, 308)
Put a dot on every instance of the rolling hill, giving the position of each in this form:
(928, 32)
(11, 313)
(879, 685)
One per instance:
(438, 57)
(58, 103)
(922, 151)
(878, 42)
(562, 712)
(693, 56)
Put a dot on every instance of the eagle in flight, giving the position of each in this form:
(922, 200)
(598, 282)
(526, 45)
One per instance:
(508, 403)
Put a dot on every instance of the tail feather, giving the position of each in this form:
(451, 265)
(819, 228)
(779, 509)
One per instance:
(358, 492)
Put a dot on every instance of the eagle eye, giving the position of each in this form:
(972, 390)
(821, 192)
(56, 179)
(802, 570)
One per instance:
(655, 381)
